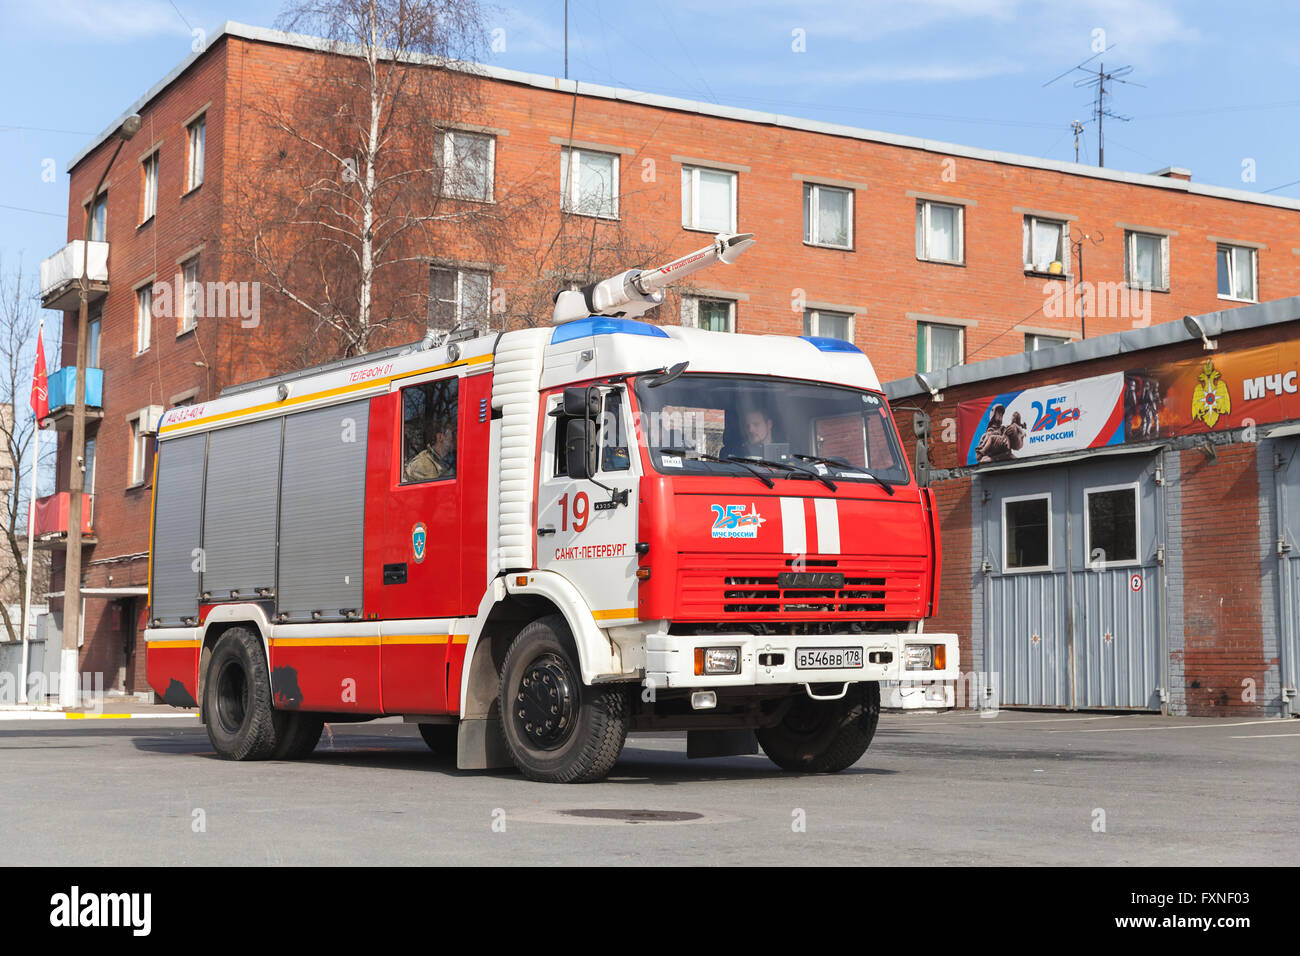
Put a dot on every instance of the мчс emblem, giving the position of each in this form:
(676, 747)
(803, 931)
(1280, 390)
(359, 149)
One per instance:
(1210, 399)
(419, 538)
(733, 521)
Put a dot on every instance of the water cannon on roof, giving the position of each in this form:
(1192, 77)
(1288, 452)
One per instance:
(637, 291)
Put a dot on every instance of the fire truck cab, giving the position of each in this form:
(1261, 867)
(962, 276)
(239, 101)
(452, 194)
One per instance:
(534, 542)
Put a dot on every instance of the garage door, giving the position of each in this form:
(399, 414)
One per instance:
(1072, 584)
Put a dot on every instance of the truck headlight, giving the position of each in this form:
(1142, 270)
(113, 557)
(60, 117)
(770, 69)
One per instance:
(717, 660)
(918, 657)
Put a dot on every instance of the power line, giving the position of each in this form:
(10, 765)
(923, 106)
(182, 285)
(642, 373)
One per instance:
(39, 212)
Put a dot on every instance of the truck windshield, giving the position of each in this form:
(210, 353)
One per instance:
(783, 426)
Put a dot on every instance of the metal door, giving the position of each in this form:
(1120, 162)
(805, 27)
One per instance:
(1067, 624)
(1288, 550)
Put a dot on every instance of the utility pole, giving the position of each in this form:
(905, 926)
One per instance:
(68, 684)
(1078, 128)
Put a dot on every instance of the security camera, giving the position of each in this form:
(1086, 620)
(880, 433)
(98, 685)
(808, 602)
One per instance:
(1195, 327)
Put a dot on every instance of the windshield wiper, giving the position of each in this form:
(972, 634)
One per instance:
(701, 456)
(798, 469)
(842, 464)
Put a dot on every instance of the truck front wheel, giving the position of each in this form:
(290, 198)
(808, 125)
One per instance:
(824, 736)
(557, 730)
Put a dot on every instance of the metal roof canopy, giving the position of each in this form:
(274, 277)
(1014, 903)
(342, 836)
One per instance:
(1282, 431)
(1104, 346)
(1104, 452)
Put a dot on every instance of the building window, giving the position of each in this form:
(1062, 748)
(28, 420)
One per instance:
(939, 232)
(1147, 261)
(98, 213)
(468, 165)
(94, 323)
(1111, 529)
(828, 325)
(191, 298)
(149, 191)
(143, 317)
(1034, 341)
(141, 451)
(1237, 273)
(429, 431)
(827, 216)
(1027, 533)
(459, 297)
(939, 346)
(589, 183)
(712, 315)
(196, 132)
(1046, 245)
(709, 199)
(89, 483)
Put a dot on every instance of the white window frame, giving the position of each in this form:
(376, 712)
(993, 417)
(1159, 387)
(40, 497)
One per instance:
(149, 204)
(570, 191)
(1031, 341)
(691, 216)
(460, 291)
(143, 317)
(448, 144)
(1027, 245)
(691, 310)
(923, 240)
(814, 323)
(188, 313)
(139, 450)
(813, 191)
(195, 159)
(1130, 260)
(929, 358)
(1232, 272)
(1051, 550)
(1137, 527)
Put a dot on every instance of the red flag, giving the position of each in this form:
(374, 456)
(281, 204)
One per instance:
(40, 385)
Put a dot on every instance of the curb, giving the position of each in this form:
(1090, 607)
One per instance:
(61, 715)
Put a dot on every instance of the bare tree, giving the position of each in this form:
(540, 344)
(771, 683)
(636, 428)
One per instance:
(19, 324)
(349, 194)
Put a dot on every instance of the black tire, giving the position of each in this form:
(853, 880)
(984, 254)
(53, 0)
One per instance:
(441, 738)
(300, 736)
(242, 723)
(556, 729)
(824, 736)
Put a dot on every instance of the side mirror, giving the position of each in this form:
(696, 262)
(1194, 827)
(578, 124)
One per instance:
(581, 402)
(580, 445)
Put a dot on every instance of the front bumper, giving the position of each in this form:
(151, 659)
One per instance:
(771, 659)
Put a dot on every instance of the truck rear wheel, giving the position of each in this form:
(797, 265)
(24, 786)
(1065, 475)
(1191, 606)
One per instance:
(299, 737)
(556, 729)
(242, 723)
(824, 736)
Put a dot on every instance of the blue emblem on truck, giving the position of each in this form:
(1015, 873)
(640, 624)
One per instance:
(419, 537)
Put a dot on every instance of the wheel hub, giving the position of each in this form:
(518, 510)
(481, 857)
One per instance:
(232, 697)
(544, 702)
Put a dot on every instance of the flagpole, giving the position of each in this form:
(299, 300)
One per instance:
(31, 530)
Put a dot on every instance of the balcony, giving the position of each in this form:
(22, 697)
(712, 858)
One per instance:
(63, 396)
(61, 275)
(51, 528)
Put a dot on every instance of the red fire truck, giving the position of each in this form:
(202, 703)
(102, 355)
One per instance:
(531, 543)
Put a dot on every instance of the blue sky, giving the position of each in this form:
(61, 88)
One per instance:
(1218, 80)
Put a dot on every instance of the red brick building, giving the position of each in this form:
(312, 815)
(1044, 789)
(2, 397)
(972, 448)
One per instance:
(924, 254)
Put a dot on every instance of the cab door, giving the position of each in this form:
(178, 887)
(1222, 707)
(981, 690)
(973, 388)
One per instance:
(586, 532)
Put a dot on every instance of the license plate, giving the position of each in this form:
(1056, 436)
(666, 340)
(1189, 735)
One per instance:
(827, 658)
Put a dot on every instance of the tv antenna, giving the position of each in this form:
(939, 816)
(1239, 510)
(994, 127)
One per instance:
(1098, 80)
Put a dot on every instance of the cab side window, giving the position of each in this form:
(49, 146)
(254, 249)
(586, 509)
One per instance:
(429, 416)
(614, 455)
